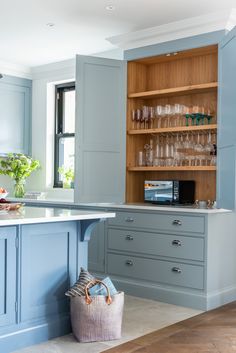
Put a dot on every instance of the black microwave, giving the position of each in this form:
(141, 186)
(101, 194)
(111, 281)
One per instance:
(169, 192)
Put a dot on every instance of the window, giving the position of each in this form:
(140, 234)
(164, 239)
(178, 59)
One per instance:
(64, 130)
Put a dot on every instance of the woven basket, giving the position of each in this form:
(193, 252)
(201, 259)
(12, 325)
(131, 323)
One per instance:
(97, 318)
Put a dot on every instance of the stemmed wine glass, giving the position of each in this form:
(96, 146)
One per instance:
(151, 116)
(133, 118)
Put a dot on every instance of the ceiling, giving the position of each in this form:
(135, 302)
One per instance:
(82, 26)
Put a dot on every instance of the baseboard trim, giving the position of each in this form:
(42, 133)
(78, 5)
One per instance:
(34, 334)
(163, 294)
(219, 298)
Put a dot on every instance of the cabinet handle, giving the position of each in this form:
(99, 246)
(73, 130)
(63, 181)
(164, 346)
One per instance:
(177, 222)
(129, 263)
(129, 237)
(176, 242)
(129, 219)
(176, 269)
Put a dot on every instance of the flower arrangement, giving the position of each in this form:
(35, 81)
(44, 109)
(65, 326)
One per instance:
(18, 167)
(67, 175)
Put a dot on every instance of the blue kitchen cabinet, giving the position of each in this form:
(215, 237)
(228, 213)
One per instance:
(15, 115)
(48, 262)
(226, 188)
(100, 130)
(96, 249)
(7, 276)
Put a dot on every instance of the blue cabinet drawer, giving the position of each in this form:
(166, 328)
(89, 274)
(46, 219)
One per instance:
(177, 246)
(158, 271)
(158, 221)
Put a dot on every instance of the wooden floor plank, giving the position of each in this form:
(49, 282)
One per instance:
(211, 332)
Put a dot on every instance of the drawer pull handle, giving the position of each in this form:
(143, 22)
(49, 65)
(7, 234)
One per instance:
(176, 269)
(129, 263)
(129, 219)
(177, 222)
(176, 242)
(129, 237)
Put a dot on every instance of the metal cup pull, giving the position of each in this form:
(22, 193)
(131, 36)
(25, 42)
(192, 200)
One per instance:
(129, 237)
(176, 242)
(176, 269)
(177, 222)
(129, 263)
(129, 219)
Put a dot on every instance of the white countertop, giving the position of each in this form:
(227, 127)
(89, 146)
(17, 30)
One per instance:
(157, 208)
(125, 206)
(31, 215)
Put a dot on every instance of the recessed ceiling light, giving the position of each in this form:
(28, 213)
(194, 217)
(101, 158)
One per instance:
(110, 7)
(50, 24)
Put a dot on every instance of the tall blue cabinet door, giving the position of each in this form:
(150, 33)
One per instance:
(48, 268)
(100, 130)
(226, 164)
(7, 276)
(15, 114)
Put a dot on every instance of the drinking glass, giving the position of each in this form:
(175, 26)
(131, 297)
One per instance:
(199, 149)
(179, 110)
(168, 114)
(187, 113)
(151, 116)
(138, 118)
(145, 116)
(133, 118)
(159, 114)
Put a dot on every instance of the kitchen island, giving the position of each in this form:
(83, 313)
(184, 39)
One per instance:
(41, 252)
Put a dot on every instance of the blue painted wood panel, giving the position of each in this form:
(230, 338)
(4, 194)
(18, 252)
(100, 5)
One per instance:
(226, 173)
(15, 115)
(96, 249)
(7, 276)
(100, 129)
(48, 268)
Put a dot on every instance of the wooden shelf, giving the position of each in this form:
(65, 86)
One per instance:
(170, 169)
(176, 91)
(172, 129)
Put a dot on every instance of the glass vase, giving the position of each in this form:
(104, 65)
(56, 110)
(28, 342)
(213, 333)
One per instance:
(66, 184)
(19, 188)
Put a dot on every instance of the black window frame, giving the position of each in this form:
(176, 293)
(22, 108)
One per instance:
(59, 114)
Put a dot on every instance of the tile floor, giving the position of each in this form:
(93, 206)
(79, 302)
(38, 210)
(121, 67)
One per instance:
(141, 316)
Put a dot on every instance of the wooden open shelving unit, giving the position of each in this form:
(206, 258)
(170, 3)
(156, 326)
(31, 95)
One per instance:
(189, 78)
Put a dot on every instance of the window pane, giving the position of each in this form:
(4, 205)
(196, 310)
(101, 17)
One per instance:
(69, 111)
(66, 153)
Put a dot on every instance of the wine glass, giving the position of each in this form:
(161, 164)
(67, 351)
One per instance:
(145, 116)
(199, 149)
(159, 114)
(151, 116)
(133, 118)
(138, 118)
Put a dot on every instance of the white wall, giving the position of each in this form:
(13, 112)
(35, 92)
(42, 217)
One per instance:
(43, 124)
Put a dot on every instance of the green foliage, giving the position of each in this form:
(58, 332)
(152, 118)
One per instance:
(18, 166)
(66, 173)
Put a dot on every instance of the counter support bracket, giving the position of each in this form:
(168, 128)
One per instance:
(86, 227)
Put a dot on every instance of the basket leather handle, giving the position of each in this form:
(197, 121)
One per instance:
(88, 298)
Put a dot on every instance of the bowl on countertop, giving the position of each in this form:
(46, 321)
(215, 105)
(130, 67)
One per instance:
(3, 195)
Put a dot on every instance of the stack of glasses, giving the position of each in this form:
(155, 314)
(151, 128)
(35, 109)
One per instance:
(170, 116)
(174, 150)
